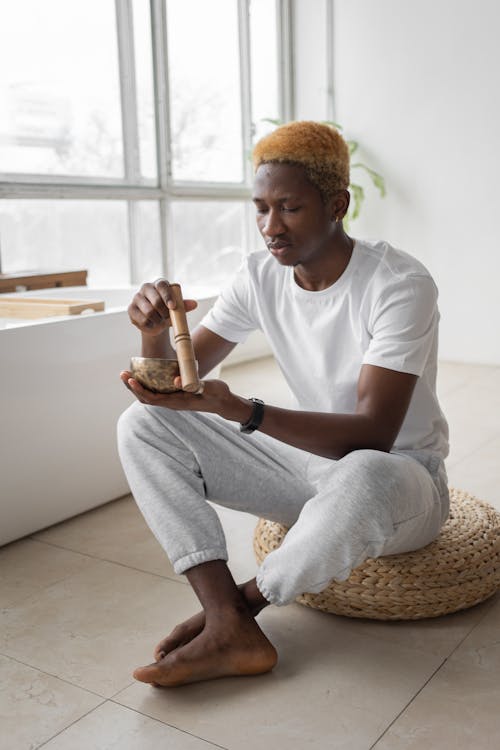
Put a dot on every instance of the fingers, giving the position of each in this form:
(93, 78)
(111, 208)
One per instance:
(151, 305)
(164, 290)
(132, 385)
(176, 400)
(178, 384)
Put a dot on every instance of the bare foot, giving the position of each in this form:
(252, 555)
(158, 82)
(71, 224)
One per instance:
(232, 646)
(189, 629)
(180, 635)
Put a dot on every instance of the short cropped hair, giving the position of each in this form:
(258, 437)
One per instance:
(319, 148)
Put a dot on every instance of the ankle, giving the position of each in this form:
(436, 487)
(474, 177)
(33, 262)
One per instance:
(229, 616)
(254, 598)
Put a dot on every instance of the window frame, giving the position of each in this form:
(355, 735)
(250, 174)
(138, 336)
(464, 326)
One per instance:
(133, 187)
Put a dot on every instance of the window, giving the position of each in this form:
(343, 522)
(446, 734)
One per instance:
(126, 129)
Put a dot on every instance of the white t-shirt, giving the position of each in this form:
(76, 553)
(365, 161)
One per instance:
(381, 311)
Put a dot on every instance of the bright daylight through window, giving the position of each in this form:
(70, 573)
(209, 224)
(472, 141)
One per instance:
(125, 134)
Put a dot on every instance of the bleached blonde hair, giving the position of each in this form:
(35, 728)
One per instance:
(319, 148)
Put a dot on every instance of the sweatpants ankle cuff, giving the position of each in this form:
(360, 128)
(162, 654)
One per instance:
(197, 558)
(267, 594)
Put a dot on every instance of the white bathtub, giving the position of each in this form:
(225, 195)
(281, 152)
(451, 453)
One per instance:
(60, 398)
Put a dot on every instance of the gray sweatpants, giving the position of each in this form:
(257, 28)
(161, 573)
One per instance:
(366, 504)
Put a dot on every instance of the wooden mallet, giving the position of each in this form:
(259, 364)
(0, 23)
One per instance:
(183, 345)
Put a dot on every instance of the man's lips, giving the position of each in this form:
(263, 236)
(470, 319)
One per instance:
(278, 248)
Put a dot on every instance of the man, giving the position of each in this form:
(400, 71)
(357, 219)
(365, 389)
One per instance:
(356, 470)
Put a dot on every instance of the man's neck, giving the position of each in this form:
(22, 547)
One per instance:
(323, 272)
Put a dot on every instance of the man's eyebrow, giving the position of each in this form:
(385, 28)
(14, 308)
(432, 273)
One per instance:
(283, 198)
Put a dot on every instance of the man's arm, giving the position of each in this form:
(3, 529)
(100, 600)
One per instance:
(210, 349)
(383, 399)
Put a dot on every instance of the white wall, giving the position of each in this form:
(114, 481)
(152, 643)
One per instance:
(418, 83)
(309, 59)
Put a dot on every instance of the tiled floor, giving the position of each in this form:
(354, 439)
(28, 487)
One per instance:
(84, 601)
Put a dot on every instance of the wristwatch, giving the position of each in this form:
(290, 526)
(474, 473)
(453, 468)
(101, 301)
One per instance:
(255, 418)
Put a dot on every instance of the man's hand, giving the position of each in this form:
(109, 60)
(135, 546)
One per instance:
(150, 306)
(216, 398)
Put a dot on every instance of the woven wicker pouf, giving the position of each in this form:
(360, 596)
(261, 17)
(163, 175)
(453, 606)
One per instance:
(457, 570)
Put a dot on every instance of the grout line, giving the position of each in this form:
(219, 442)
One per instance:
(172, 726)
(489, 604)
(70, 725)
(112, 697)
(105, 559)
(403, 710)
(56, 676)
(372, 747)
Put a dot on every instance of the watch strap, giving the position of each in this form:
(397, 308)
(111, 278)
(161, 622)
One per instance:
(256, 416)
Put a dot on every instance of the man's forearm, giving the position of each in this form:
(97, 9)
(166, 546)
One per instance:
(157, 346)
(328, 435)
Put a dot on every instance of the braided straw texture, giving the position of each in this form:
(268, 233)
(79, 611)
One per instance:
(457, 570)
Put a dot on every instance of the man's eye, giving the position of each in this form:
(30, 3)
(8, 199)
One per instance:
(290, 210)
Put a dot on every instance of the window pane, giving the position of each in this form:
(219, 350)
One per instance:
(144, 84)
(59, 88)
(148, 256)
(205, 90)
(264, 66)
(64, 235)
(209, 241)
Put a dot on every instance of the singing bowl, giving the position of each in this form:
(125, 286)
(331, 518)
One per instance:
(155, 374)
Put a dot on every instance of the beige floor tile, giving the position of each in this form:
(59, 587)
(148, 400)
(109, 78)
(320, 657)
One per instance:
(116, 532)
(27, 566)
(436, 635)
(481, 648)
(35, 706)
(331, 688)
(113, 727)
(473, 415)
(458, 709)
(479, 473)
(453, 375)
(94, 627)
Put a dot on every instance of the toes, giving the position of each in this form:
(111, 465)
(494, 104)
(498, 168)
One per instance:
(167, 645)
(160, 651)
(149, 674)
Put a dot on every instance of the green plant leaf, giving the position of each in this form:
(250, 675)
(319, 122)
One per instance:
(376, 178)
(353, 146)
(332, 124)
(358, 195)
(271, 120)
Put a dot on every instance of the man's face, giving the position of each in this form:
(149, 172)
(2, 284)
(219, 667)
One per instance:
(291, 216)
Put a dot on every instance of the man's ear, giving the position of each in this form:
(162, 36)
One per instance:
(340, 204)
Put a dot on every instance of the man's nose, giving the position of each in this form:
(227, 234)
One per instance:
(273, 225)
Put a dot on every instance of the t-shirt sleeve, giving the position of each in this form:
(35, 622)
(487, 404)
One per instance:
(403, 326)
(233, 315)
